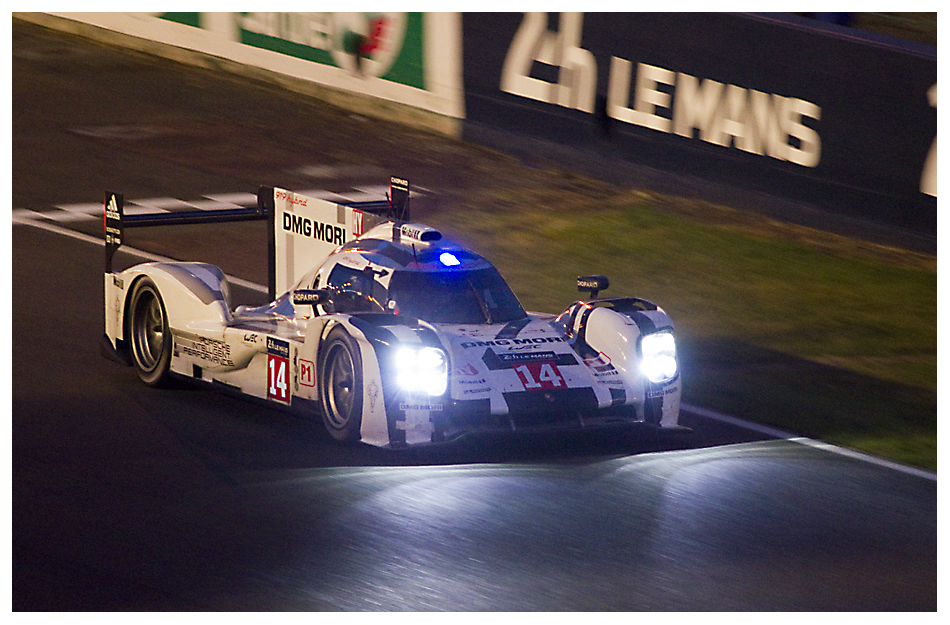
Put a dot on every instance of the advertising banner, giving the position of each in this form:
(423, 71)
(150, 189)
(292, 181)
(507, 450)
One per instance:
(769, 103)
(751, 101)
(408, 58)
(381, 45)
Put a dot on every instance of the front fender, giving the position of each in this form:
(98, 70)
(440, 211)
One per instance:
(617, 335)
(374, 428)
(391, 415)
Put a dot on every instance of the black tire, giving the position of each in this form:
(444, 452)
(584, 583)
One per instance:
(148, 336)
(341, 386)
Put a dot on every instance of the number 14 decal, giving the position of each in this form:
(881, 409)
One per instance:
(538, 376)
(278, 370)
(278, 387)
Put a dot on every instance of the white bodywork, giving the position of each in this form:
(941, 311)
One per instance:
(589, 354)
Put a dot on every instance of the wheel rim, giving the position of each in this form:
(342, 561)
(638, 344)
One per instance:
(149, 331)
(340, 387)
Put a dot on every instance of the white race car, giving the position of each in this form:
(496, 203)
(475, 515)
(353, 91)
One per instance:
(389, 332)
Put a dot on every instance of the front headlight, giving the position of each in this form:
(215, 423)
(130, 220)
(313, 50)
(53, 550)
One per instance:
(659, 356)
(422, 369)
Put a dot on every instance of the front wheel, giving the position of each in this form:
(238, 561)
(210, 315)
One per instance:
(341, 386)
(149, 336)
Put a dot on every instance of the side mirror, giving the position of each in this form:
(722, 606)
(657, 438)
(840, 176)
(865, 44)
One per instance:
(592, 285)
(304, 297)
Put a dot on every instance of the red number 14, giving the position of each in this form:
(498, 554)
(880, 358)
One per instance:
(278, 387)
(538, 376)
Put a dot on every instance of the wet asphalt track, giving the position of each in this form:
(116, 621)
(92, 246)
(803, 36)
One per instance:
(128, 498)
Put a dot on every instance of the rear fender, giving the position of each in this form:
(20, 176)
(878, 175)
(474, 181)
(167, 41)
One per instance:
(196, 295)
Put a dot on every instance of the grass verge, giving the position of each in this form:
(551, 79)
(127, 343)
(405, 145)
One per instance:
(813, 333)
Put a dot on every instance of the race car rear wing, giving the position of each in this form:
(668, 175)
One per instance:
(306, 230)
(303, 230)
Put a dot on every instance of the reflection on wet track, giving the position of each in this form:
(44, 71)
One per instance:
(757, 526)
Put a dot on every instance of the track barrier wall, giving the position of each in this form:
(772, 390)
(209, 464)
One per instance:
(766, 103)
(819, 114)
(409, 64)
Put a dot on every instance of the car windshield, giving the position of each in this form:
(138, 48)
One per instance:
(473, 296)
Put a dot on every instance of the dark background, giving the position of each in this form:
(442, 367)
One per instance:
(876, 123)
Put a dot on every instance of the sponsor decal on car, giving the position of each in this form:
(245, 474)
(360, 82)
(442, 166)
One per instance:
(525, 357)
(472, 382)
(600, 363)
(429, 407)
(293, 198)
(112, 218)
(509, 360)
(661, 392)
(373, 393)
(278, 370)
(307, 375)
(508, 342)
(306, 227)
(468, 369)
(602, 369)
(209, 350)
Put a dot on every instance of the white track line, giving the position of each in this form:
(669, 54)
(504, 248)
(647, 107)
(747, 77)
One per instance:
(801, 440)
(65, 213)
(148, 256)
(22, 219)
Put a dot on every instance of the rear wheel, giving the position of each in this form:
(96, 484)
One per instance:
(148, 334)
(341, 386)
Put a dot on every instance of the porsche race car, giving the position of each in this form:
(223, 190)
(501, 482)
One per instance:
(387, 331)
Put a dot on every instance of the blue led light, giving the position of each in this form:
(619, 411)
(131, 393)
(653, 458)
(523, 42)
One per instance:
(448, 259)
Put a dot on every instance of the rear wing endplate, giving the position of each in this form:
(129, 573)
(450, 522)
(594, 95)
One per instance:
(302, 230)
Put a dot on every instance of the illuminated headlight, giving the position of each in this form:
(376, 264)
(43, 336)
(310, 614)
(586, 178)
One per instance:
(422, 369)
(659, 356)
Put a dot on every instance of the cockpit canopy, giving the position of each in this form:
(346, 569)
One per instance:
(468, 296)
(410, 270)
